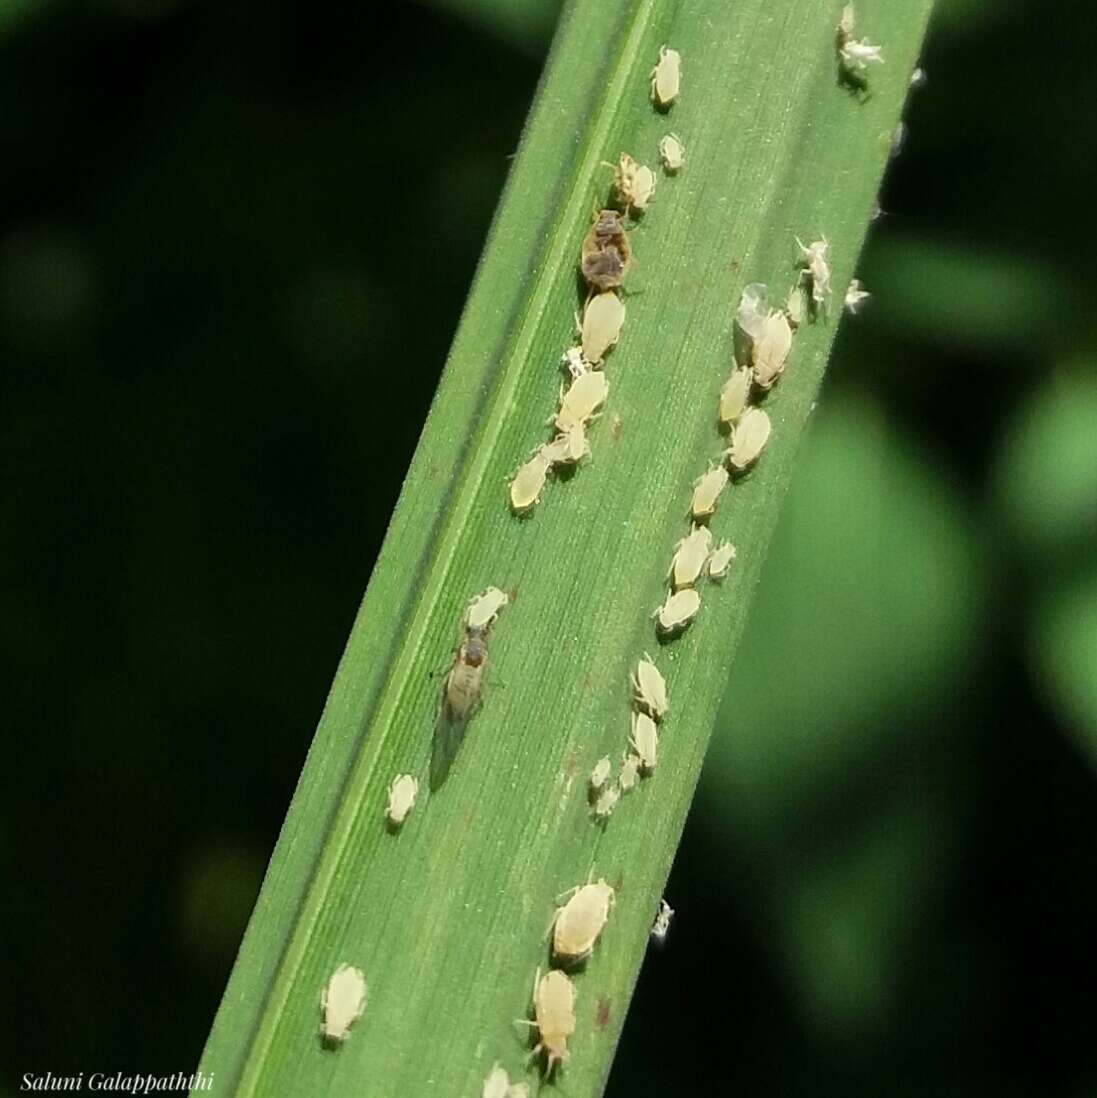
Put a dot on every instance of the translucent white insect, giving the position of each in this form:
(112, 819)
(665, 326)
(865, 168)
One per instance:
(342, 1002)
(603, 319)
(720, 561)
(650, 688)
(554, 1016)
(689, 559)
(662, 922)
(402, 793)
(484, 608)
(645, 741)
(796, 307)
(918, 78)
(497, 1083)
(748, 440)
(569, 447)
(630, 772)
(678, 611)
(580, 921)
(666, 77)
(856, 296)
(706, 492)
(814, 260)
(572, 361)
(734, 395)
(607, 802)
(771, 348)
(858, 55)
(672, 152)
(753, 309)
(528, 483)
(634, 182)
(600, 774)
(583, 398)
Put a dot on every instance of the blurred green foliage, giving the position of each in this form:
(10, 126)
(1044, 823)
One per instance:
(213, 220)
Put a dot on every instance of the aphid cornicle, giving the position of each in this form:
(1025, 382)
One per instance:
(606, 253)
(402, 793)
(678, 611)
(650, 688)
(689, 559)
(554, 1016)
(341, 1003)
(577, 925)
(666, 77)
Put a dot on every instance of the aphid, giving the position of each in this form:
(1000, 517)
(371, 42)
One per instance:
(554, 1016)
(666, 77)
(650, 688)
(607, 802)
(673, 153)
(813, 257)
(572, 361)
(603, 319)
(857, 56)
(690, 555)
(753, 310)
(630, 771)
(645, 741)
(707, 491)
(342, 1002)
(720, 561)
(578, 923)
(748, 440)
(606, 253)
(402, 794)
(525, 488)
(600, 774)
(583, 398)
(568, 447)
(796, 307)
(771, 350)
(662, 922)
(678, 611)
(734, 394)
(634, 182)
(856, 296)
(484, 608)
(497, 1083)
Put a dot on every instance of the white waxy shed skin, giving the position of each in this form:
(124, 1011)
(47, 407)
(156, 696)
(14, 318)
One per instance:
(584, 397)
(645, 741)
(496, 1084)
(813, 256)
(720, 561)
(483, 609)
(796, 307)
(666, 77)
(650, 688)
(402, 794)
(600, 774)
(580, 921)
(630, 772)
(752, 311)
(707, 491)
(528, 483)
(342, 1002)
(607, 802)
(771, 350)
(603, 319)
(554, 1011)
(855, 297)
(662, 921)
(749, 439)
(672, 152)
(678, 611)
(689, 557)
(635, 183)
(734, 395)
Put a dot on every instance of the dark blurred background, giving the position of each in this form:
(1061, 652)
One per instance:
(211, 219)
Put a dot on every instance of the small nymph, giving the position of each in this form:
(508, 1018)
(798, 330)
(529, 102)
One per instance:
(748, 440)
(645, 741)
(630, 771)
(734, 395)
(678, 611)
(484, 608)
(402, 793)
(690, 555)
(666, 78)
(603, 319)
(529, 482)
(673, 153)
(720, 561)
(341, 1002)
(706, 492)
(650, 688)
(600, 774)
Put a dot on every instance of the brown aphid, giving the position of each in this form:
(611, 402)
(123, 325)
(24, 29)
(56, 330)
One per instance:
(554, 1016)
(606, 253)
(580, 921)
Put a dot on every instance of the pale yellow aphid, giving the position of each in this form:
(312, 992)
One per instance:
(748, 440)
(484, 608)
(569, 447)
(666, 77)
(402, 793)
(578, 923)
(856, 296)
(690, 555)
(630, 771)
(554, 1016)
(634, 183)
(603, 319)
(583, 398)
(342, 1002)
(734, 395)
(645, 740)
(720, 561)
(678, 611)
(796, 307)
(662, 921)
(600, 774)
(771, 350)
(673, 153)
(813, 257)
(607, 802)
(650, 688)
(706, 492)
(528, 482)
